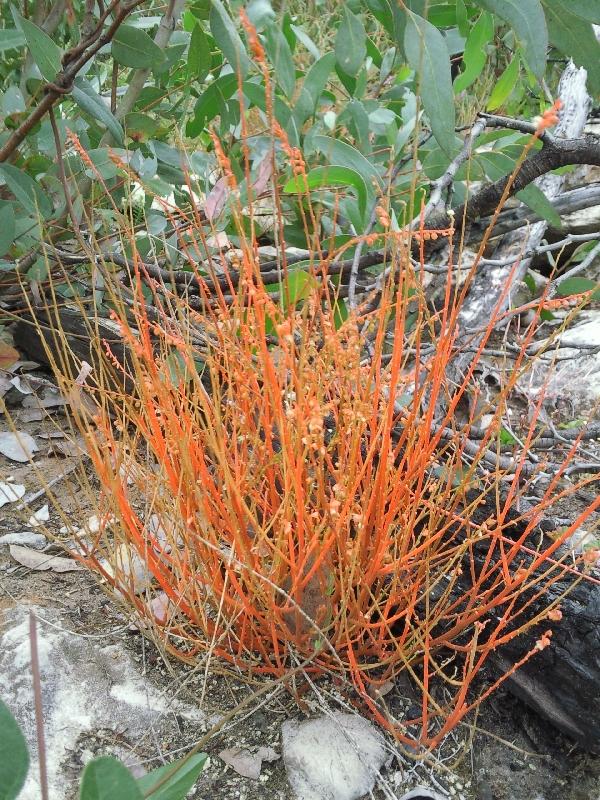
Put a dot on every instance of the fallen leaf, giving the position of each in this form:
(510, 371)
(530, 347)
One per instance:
(26, 539)
(5, 385)
(128, 570)
(10, 492)
(8, 355)
(18, 446)
(246, 763)
(41, 561)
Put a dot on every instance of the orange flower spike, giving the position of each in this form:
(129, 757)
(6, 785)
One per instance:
(549, 118)
(555, 614)
(255, 44)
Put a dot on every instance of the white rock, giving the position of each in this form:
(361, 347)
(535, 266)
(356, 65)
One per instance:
(89, 684)
(10, 492)
(17, 445)
(39, 516)
(334, 757)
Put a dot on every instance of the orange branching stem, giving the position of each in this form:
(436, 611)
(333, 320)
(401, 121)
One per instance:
(290, 489)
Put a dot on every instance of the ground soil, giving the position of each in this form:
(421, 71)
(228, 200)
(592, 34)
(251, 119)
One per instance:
(505, 752)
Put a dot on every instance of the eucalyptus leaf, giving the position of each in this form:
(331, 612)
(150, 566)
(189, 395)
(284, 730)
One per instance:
(29, 194)
(586, 9)
(427, 54)
(330, 176)
(88, 99)
(7, 227)
(344, 155)
(314, 83)
(184, 772)
(14, 758)
(211, 101)
(199, 55)
(350, 43)
(106, 778)
(504, 85)
(11, 39)
(526, 18)
(45, 52)
(228, 39)
(575, 38)
(578, 285)
(475, 54)
(132, 47)
(280, 56)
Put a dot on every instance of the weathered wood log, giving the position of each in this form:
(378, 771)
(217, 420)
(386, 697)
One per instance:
(62, 338)
(562, 681)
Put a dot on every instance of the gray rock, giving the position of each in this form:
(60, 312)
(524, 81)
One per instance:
(334, 757)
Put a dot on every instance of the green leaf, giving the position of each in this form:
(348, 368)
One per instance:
(38, 271)
(586, 9)
(340, 313)
(427, 54)
(228, 39)
(44, 51)
(14, 758)
(350, 43)
(578, 285)
(303, 37)
(506, 437)
(312, 88)
(199, 55)
(210, 102)
(11, 39)
(344, 155)
(106, 778)
(132, 47)
(140, 127)
(7, 230)
(462, 18)
(536, 200)
(31, 196)
(526, 18)
(382, 11)
(504, 85)
(255, 92)
(88, 99)
(105, 166)
(475, 55)
(499, 164)
(330, 176)
(179, 785)
(297, 285)
(280, 55)
(574, 38)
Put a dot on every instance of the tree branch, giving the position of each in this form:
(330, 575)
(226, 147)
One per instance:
(73, 61)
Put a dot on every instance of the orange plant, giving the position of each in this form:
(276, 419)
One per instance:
(299, 481)
(290, 490)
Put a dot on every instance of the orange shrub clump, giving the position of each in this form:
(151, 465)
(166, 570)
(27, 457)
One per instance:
(299, 487)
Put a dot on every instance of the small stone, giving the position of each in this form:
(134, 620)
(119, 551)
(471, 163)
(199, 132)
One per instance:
(336, 757)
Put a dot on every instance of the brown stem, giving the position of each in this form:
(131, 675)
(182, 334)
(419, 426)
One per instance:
(73, 60)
